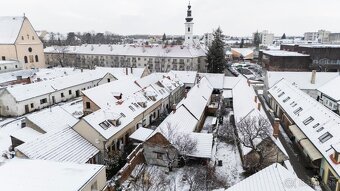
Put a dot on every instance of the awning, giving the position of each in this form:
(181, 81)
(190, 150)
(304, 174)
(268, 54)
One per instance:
(298, 134)
(311, 151)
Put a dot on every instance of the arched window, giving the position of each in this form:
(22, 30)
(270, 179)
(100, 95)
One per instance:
(36, 58)
(26, 60)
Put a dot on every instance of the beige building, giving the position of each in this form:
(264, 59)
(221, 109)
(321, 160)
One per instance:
(41, 175)
(19, 41)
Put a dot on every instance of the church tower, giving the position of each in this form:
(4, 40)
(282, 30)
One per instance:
(189, 26)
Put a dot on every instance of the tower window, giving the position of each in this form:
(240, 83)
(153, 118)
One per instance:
(26, 60)
(188, 29)
(36, 58)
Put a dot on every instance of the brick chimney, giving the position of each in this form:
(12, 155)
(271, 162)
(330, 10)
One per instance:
(312, 81)
(259, 106)
(276, 128)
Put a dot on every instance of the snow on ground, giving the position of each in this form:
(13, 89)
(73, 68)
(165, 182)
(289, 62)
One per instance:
(231, 169)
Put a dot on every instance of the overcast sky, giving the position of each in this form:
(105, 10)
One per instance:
(236, 17)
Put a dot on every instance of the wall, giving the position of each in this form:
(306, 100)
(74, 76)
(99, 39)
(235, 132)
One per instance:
(8, 67)
(125, 172)
(154, 64)
(285, 63)
(18, 108)
(100, 178)
(27, 38)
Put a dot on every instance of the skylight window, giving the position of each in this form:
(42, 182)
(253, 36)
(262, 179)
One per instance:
(285, 100)
(320, 129)
(294, 104)
(132, 109)
(325, 137)
(136, 105)
(122, 114)
(316, 125)
(105, 125)
(297, 111)
(281, 94)
(308, 120)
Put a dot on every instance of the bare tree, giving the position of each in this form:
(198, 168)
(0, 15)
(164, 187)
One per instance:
(254, 134)
(148, 178)
(61, 54)
(203, 178)
(182, 142)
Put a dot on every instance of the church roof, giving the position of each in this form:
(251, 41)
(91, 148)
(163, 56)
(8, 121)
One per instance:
(10, 28)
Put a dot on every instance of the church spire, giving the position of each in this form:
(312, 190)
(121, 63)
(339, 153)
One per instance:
(189, 16)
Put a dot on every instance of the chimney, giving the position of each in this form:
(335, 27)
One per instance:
(276, 127)
(312, 81)
(259, 106)
(255, 99)
(174, 107)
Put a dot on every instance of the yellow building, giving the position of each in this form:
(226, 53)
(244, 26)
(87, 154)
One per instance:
(19, 41)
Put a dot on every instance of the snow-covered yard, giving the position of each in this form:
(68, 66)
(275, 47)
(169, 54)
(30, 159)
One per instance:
(231, 169)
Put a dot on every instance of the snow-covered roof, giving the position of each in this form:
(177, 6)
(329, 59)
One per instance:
(10, 28)
(141, 134)
(6, 62)
(273, 178)
(28, 91)
(198, 98)
(175, 51)
(317, 122)
(64, 146)
(227, 94)
(245, 106)
(331, 89)
(11, 76)
(301, 79)
(243, 51)
(204, 145)
(187, 77)
(230, 82)
(26, 134)
(282, 53)
(216, 80)
(40, 175)
(53, 119)
(320, 45)
(126, 110)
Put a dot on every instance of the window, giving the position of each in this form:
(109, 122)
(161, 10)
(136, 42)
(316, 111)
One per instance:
(62, 95)
(132, 109)
(16, 66)
(42, 101)
(188, 29)
(88, 105)
(294, 104)
(3, 57)
(32, 105)
(36, 58)
(320, 129)
(105, 125)
(5, 67)
(281, 94)
(159, 155)
(316, 125)
(69, 92)
(325, 137)
(25, 59)
(29, 49)
(122, 114)
(308, 120)
(297, 111)
(32, 37)
(22, 37)
(285, 100)
(108, 80)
